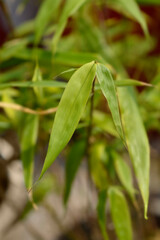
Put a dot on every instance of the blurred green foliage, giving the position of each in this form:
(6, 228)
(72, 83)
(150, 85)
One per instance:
(64, 36)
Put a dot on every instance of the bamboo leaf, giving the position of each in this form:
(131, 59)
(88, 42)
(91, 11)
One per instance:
(71, 6)
(72, 164)
(74, 59)
(28, 142)
(104, 122)
(124, 174)
(69, 111)
(109, 91)
(131, 82)
(137, 141)
(101, 212)
(120, 214)
(47, 10)
(96, 166)
(40, 84)
(131, 8)
(37, 77)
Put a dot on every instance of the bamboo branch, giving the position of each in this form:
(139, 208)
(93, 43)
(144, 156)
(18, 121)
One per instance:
(21, 108)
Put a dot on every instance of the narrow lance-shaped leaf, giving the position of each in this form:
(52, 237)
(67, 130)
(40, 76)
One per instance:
(101, 212)
(120, 214)
(107, 86)
(28, 142)
(96, 166)
(69, 111)
(70, 7)
(40, 84)
(74, 59)
(137, 141)
(130, 7)
(47, 10)
(131, 82)
(37, 77)
(124, 174)
(73, 161)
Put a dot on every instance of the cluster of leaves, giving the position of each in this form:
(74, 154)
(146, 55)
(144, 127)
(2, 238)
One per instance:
(85, 45)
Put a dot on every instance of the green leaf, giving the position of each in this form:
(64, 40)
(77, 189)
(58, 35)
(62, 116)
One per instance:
(31, 84)
(131, 82)
(16, 73)
(28, 143)
(96, 166)
(108, 88)
(104, 122)
(131, 8)
(69, 111)
(124, 174)
(74, 59)
(94, 41)
(4, 122)
(46, 12)
(101, 212)
(120, 214)
(37, 77)
(70, 7)
(137, 141)
(73, 161)
(11, 113)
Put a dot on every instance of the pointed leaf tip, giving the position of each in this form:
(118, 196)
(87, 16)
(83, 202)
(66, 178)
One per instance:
(70, 109)
(108, 88)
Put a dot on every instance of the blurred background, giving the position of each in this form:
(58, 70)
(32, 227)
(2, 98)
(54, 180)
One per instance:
(98, 30)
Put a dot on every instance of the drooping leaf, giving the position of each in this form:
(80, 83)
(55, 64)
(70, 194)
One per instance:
(108, 88)
(47, 10)
(124, 174)
(73, 161)
(69, 111)
(131, 8)
(137, 141)
(71, 6)
(120, 214)
(101, 212)
(28, 143)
